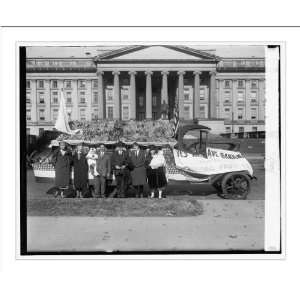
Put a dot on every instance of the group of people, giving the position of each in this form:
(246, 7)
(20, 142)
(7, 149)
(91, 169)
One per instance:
(123, 168)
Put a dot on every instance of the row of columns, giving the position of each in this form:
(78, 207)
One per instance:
(164, 93)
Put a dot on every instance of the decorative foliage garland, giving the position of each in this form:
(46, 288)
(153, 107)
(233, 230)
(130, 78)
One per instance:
(127, 131)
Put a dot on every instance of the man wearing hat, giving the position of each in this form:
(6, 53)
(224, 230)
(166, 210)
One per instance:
(120, 168)
(138, 159)
(103, 170)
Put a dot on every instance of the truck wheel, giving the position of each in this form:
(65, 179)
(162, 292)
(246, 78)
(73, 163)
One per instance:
(235, 186)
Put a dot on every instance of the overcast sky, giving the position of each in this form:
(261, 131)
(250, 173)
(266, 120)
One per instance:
(63, 51)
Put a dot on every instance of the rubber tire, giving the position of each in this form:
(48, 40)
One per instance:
(229, 196)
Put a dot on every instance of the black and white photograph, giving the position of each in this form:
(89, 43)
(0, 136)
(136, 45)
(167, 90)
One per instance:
(150, 148)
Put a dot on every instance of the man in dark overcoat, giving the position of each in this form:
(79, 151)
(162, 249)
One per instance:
(120, 164)
(138, 159)
(103, 170)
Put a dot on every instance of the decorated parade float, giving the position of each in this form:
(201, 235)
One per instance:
(196, 160)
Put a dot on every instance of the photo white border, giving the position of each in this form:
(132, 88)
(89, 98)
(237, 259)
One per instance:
(181, 256)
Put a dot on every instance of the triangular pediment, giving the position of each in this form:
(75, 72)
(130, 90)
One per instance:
(157, 52)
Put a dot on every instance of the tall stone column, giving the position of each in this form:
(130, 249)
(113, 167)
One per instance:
(34, 117)
(212, 100)
(148, 95)
(164, 88)
(75, 100)
(132, 95)
(197, 94)
(101, 107)
(47, 95)
(116, 95)
(181, 94)
(88, 100)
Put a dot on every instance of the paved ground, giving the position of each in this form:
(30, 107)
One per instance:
(224, 225)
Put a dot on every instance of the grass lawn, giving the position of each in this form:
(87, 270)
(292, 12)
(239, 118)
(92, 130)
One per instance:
(115, 207)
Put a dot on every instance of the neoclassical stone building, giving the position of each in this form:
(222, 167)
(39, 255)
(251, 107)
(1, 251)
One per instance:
(139, 82)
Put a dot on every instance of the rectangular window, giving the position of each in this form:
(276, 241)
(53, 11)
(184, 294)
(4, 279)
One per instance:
(28, 114)
(240, 113)
(40, 84)
(109, 94)
(253, 113)
(95, 97)
(241, 129)
(68, 84)
(82, 114)
(94, 84)
(187, 92)
(69, 97)
(41, 98)
(42, 114)
(54, 114)
(202, 113)
(82, 97)
(240, 97)
(253, 97)
(54, 84)
(254, 128)
(254, 84)
(125, 112)
(41, 131)
(141, 101)
(95, 114)
(82, 84)
(154, 100)
(202, 94)
(227, 97)
(227, 113)
(28, 98)
(110, 112)
(241, 84)
(227, 84)
(228, 129)
(186, 112)
(28, 84)
(55, 97)
(124, 94)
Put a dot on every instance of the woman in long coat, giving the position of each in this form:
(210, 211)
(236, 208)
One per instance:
(138, 174)
(81, 170)
(62, 160)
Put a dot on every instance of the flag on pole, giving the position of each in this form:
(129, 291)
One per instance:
(62, 122)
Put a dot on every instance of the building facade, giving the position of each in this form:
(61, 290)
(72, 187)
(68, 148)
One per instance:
(139, 82)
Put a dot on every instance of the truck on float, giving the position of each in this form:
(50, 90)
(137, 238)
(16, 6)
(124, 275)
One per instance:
(196, 163)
